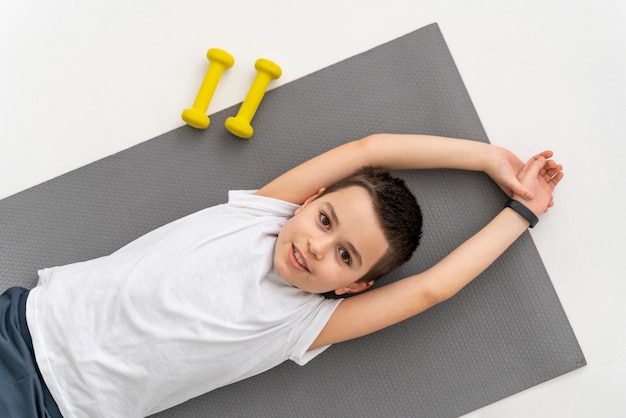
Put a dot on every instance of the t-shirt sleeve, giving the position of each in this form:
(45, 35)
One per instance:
(310, 329)
(260, 205)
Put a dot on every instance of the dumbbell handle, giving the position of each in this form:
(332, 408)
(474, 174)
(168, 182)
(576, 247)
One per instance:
(196, 115)
(209, 85)
(255, 95)
(240, 125)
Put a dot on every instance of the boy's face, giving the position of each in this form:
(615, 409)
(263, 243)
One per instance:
(330, 243)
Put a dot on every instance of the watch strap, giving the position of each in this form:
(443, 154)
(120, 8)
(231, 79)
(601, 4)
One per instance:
(523, 211)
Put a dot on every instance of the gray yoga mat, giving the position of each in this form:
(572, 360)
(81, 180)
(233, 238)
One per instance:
(503, 333)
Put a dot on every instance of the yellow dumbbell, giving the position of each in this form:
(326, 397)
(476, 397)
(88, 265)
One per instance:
(240, 124)
(219, 61)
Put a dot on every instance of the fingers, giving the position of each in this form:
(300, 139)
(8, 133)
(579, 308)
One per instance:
(548, 174)
(535, 166)
(545, 154)
(552, 166)
(551, 172)
(556, 179)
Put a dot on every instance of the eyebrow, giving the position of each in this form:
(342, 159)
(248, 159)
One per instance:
(335, 219)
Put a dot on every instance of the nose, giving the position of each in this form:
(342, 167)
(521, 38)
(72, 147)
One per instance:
(319, 246)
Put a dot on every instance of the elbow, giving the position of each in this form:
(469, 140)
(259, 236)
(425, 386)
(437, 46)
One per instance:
(425, 298)
(371, 148)
(373, 141)
(436, 293)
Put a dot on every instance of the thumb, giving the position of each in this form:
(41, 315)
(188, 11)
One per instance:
(529, 171)
(534, 166)
(519, 189)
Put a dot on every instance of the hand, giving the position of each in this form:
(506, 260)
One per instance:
(540, 175)
(503, 167)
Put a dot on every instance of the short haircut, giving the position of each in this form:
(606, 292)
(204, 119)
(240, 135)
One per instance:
(398, 213)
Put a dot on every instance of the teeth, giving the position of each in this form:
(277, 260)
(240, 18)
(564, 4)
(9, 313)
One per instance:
(299, 258)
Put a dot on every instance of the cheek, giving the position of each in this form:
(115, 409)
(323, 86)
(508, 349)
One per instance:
(334, 276)
(287, 230)
(293, 223)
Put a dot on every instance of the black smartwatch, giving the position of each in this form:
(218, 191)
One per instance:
(523, 211)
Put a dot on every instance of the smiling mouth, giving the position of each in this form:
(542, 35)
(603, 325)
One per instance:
(298, 260)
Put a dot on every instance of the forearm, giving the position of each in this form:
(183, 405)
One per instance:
(387, 151)
(397, 152)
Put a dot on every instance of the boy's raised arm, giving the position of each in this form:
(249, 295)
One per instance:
(371, 311)
(396, 152)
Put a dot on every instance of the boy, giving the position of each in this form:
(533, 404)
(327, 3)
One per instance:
(234, 290)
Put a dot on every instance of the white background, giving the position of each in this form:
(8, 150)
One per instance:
(81, 79)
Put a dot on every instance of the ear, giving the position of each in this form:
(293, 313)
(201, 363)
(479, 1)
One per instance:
(356, 287)
(309, 200)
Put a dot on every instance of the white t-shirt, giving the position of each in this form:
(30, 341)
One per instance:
(189, 307)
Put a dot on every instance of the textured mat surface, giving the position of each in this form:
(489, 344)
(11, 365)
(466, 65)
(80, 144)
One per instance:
(502, 334)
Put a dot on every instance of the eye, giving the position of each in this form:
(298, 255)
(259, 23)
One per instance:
(324, 220)
(345, 256)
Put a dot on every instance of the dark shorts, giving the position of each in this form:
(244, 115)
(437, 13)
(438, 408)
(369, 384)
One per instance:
(23, 392)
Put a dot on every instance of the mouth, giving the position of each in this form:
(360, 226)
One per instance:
(297, 259)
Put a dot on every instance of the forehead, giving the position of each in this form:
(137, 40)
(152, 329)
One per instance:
(351, 193)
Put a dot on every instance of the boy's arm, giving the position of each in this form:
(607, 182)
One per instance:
(396, 152)
(379, 308)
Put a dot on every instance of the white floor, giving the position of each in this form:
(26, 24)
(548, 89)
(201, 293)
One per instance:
(80, 80)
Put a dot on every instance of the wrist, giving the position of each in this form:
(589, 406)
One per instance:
(495, 156)
(522, 210)
(488, 158)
